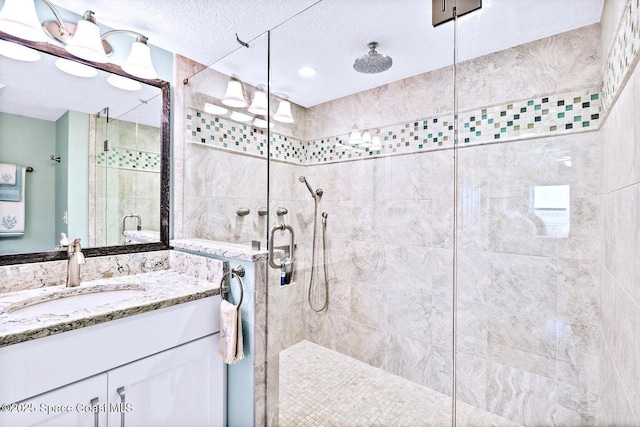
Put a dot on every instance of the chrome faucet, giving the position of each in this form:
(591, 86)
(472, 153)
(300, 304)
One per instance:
(75, 257)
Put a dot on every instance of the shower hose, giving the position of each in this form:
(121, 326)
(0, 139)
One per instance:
(324, 258)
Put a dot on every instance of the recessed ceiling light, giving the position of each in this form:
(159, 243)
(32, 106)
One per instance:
(18, 52)
(75, 68)
(307, 72)
(123, 83)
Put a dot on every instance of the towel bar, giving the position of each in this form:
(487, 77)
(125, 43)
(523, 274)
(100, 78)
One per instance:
(237, 272)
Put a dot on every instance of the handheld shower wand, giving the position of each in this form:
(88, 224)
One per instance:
(314, 194)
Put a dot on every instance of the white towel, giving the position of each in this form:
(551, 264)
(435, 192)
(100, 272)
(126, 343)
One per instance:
(231, 344)
(12, 213)
(7, 174)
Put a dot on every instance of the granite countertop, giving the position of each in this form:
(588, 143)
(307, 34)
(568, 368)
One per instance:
(241, 251)
(157, 290)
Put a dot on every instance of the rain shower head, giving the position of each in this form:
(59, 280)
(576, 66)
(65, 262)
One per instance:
(314, 194)
(372, 62)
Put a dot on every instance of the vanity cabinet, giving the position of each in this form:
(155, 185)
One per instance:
(159, 368)
(69, 406)
(177, 387)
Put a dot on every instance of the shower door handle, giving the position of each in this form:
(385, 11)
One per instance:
(289, 260)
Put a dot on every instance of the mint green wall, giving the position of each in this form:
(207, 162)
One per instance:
(30, 142)
(72, 145)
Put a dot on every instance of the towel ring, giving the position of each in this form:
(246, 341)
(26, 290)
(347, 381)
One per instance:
(237, 272)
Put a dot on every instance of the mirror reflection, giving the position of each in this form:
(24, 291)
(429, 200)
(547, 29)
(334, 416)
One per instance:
(93, 151)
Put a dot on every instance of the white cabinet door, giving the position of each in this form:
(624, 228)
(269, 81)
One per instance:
(81, 404)
(182, 386)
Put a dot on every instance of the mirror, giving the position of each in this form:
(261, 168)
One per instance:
(97, 156)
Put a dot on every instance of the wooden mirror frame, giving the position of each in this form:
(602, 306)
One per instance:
(165, 165)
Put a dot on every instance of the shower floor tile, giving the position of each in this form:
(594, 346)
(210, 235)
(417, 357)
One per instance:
(321, 387)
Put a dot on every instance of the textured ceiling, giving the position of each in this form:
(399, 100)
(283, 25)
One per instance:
(329, 34)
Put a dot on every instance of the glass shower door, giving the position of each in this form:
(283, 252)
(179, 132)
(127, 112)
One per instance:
(528, 340)
(365, 174)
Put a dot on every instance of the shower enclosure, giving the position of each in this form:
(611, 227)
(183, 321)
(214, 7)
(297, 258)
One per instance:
(481, 260)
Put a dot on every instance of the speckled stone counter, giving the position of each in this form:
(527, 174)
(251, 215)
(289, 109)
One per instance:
(186, 277)
(240, 251)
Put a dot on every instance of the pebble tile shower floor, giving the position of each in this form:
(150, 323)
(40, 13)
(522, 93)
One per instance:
(321, 387)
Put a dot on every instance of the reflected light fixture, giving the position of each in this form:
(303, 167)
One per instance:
(214, 109)
(18, 52)
(19, 18)
(240, 117)
(283, 114)
(86, 42)
(259, 102)
(366, 139)
(307, 72)
(123, 83)
(234, 96)
(261, 123)
(375, 143)
(75, 68)
(355, 138)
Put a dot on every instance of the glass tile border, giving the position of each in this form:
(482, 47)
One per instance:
(124, 158)
(557, 114)
(623, 56)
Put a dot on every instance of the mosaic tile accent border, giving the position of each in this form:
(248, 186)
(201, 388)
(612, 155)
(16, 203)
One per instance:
(218, 132)
(124, 158)
(542, 116)
(623, 55)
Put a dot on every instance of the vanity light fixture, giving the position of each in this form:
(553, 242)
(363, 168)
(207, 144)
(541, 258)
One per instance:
(214, 109)
(81, 39)
(124, 83)
(18, 52)
(234, 96)
(283, 114)
(19, 18)
(75, 68)
(139, 61)
(86, 42)
(259, 103)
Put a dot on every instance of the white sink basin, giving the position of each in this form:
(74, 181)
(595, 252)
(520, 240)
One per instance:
(74, 299)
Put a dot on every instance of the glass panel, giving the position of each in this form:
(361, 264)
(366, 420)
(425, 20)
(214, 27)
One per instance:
(222, 191)
(528, 333)
(224, 159)
(363, 332)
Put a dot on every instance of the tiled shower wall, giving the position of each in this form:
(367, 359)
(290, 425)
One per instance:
(619, 236)
(530, 315)
(528, 307)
